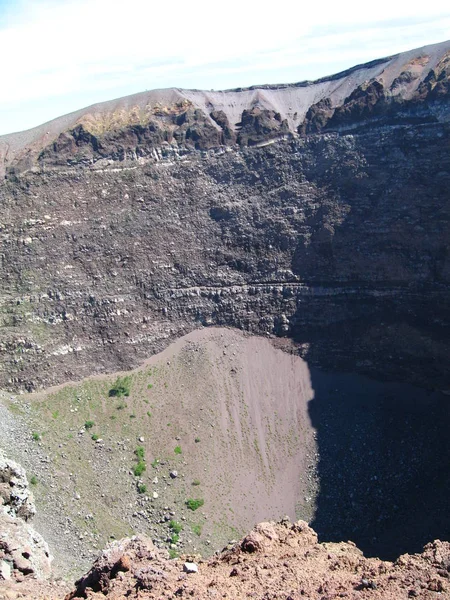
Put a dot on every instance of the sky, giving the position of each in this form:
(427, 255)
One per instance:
(62, 55)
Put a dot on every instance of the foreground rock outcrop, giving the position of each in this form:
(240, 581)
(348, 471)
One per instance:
(23, 552)
(275, 561)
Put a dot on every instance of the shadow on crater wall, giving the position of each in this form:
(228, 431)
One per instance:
(384, 467)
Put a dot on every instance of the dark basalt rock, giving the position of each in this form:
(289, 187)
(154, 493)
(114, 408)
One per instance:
(221, 119)
(259, 125)
(317, 117)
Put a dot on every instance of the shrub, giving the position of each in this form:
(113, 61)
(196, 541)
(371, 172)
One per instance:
(173, 554)
(142, 488)
(177, 450)
(155, 463)
(94, 437)
(196, 482)
(139, 468)
(89, 424)
(36, 436)
(175, 526)
(197, 529)
(197, 439)
(175, 538)
(121, 387)
(33, 480)
(140, 452)
(194, 504)
(133, 416)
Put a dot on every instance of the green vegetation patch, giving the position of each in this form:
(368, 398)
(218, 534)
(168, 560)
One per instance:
(121, 387)
(175, 526)
(139, 468)
(178, 450)
(194, 504)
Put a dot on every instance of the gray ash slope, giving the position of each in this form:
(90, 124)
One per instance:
(393, 89)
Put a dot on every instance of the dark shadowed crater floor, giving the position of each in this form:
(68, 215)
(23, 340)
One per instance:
(384, 467)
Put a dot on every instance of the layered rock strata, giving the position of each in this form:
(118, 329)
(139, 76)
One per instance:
(317, 210)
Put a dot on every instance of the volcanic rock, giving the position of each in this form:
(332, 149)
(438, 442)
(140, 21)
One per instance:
(285, 561)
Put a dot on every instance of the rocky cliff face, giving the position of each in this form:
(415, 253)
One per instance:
(23, 552)
(316, 210)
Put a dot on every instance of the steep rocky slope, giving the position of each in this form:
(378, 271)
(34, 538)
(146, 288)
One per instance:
(117, 236)
(317, 211)
(402, 89)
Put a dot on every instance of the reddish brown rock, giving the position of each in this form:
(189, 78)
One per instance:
(274, 561)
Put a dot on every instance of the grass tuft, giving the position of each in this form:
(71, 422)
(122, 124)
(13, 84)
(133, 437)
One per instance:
(139, 468)
(121, 387)
(175, 526)
(194, 504)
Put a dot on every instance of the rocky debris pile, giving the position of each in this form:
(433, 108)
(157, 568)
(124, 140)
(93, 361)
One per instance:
(15, 496)
(274, 561)
(23, 552)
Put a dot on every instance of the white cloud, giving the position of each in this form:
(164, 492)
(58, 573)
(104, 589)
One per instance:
(65, 54)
